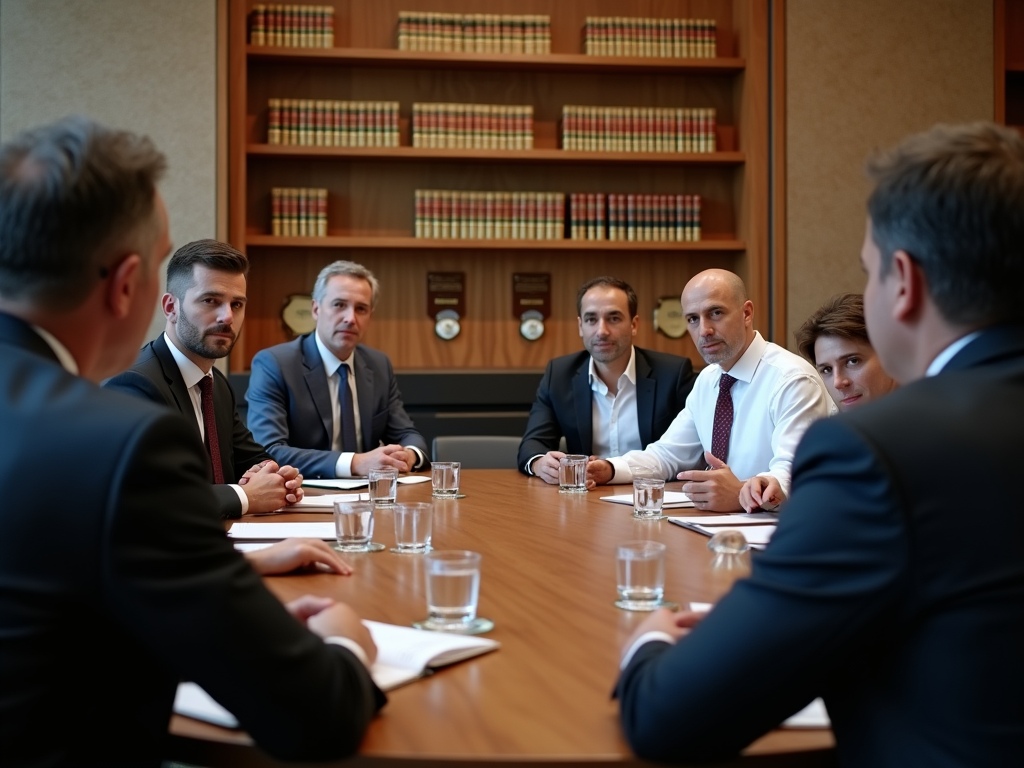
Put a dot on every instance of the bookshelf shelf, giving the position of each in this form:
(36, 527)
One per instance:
(710, 243)
(495, 155)
(553, 62)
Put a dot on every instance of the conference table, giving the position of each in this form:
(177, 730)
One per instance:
(548, 583)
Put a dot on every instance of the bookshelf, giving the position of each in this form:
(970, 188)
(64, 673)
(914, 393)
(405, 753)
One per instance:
(1009, 62)
(371, 189)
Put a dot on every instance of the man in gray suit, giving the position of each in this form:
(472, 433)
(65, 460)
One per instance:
(326, 404)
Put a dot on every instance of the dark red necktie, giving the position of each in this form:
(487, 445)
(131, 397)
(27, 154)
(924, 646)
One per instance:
(210, 425)
(723, 419)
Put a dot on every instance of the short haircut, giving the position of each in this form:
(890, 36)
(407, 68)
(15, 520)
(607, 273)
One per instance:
(212, 254)
(841, 316)
(351, 269)
(953, 199)
(611, 282)
(74, 196)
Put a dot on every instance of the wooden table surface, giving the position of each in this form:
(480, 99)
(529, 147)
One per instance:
(548, 583)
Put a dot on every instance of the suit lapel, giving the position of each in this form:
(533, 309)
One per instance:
(365, 379)
(18, 333)
(994, 344)
(316, 382)
(172, 378)
(584, 409)
(645, 395)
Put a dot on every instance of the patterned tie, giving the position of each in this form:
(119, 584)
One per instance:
(210, 425)
(348, 415)
(723, 419)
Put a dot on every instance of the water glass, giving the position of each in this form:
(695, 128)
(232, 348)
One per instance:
(572, 473)
(648, 498)
(383, 486)
(353, 525)
(640, 575)
(444, 479)
(413, 523)
(453, 586)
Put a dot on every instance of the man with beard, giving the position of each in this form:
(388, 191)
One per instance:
(205, 307)
(746, 414)
(610, 399)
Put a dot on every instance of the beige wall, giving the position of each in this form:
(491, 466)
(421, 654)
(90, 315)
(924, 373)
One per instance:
(149, 66)
(861, 74)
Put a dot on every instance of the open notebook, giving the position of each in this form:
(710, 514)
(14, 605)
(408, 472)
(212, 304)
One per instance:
(403, 655)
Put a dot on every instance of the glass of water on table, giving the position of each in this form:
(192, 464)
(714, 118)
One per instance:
(453, 588)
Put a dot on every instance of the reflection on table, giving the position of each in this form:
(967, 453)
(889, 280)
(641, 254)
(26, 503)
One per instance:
(548, 583)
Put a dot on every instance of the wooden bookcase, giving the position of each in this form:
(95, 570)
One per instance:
(1009, 62)
(371, 189)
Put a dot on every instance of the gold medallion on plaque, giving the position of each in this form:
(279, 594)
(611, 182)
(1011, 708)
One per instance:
(297, 314)
(668, 317)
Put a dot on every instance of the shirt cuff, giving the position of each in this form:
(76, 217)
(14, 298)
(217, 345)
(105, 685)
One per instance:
(352, 645)
(529, 464)
(646, 637)
(622, 473)
(241, 496)
(421, 459)
(344, 466)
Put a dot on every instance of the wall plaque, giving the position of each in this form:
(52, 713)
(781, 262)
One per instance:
(446, 300)
(297, 314)
(531, 302)
(668, 317)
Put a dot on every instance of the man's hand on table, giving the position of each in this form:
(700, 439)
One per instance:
(599, 472)
(762, 492)
(546, 467)
(297, 554)
(269, 487)
(330, 619)
(674, 623)
(395, 456)
(713, 490)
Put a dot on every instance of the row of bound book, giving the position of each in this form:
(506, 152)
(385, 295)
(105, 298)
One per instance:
(635, 218)
(292, 26)
(646, 37)
(472, 126)
(319, 123)
(638, 129)
(474, 32)
(455, 215)
(298, 212)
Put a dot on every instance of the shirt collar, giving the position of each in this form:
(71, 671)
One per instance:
(190, 372)
(747, 364)
(629, 373)
(949, 353)
(331, 361)
(66, 359)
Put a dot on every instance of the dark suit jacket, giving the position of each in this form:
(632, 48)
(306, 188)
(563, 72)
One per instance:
(290, 405)
(564, 402)
(111, 596)
(156, 377)
(891, 589)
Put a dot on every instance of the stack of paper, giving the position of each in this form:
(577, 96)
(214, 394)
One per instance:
(278, 531)
(348, 483)
(757, 527)
(403, 655)
(673, 499)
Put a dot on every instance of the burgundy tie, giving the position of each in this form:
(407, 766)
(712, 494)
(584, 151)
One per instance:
(210, 425)
(723, 419)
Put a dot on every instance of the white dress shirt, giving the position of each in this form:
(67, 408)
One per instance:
(343, 468)
(615, 426)
(949, 353)
(776, 397)
(192, 374)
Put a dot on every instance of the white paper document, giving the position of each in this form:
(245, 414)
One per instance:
(403, 655)
(278, 531)
(673, 499)
(753, 518)
(348, 483)
(757, 535)
(324, 502)
(814, 715)
(252, 546)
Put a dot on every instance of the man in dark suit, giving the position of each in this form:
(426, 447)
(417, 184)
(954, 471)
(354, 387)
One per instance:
(128, 585)
(325, 403)
(896, 596)
(610, 399)
(205, 307)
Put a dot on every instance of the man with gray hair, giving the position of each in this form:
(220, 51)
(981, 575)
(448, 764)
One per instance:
(326, 404)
